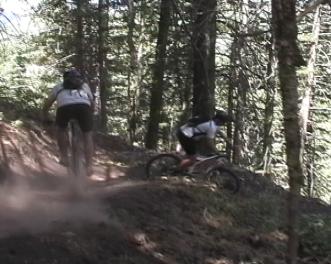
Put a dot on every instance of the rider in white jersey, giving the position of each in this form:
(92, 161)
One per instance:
(74, 100)
(189, 134)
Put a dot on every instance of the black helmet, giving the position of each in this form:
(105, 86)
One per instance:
(223, 116)
(72, 73)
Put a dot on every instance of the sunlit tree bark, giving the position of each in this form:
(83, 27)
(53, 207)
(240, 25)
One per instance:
(307, 101)
(270, 91)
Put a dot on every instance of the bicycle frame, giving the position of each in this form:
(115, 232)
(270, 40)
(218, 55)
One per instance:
(213, 168)
(200, 162)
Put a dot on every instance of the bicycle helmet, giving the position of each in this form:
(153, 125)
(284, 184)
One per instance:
(73, 73)
(223, 116)
(72, 79)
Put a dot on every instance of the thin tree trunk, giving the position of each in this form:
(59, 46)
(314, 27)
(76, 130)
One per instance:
(240, 80)
(79, 61)
(233, 83)
(269, 109)
(102, 54)
(204, 39)
(158, 75)
(285, 34)
(306, 102)
(132, 73)
(185, 93)
(238, 140)
(229, 134)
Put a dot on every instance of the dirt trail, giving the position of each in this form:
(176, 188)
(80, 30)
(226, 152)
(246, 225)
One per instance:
(119, 217)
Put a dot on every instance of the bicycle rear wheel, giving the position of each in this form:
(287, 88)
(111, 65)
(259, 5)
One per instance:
(76, 149)
(162, 165)
(224, 179)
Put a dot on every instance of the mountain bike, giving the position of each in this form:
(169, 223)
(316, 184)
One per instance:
(76, 165)
(213, 168)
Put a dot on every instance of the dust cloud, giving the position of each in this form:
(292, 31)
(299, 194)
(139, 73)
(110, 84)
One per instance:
(27, 208)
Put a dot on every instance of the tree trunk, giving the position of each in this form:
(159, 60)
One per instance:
(79, 59)
(135, 71)
(229, 134)
(285, 34)
(233, 83)
(240, 81)
(158, 75)
(238, 140)
(306, 103)
(132, 73)
(269, 109)
(204, 39)
(102, 54)
(184, 84)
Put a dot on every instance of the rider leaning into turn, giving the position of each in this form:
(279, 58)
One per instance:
(74, 101)
(188, 135)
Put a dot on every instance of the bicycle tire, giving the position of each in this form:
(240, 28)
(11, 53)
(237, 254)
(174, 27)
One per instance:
(165, 164)
(76, 150)
(225, 179)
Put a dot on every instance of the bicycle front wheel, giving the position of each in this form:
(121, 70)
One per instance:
(224, 179)
(162, 165)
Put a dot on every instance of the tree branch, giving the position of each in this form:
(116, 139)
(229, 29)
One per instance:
(311, 7)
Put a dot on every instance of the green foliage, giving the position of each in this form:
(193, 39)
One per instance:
(25, 81)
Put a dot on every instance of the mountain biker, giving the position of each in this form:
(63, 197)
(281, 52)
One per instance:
(197, 129)
(74, 101)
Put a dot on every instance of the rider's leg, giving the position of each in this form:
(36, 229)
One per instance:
(63, 145)
(85, 120)
(62, 119)
(187, 162)
(189, 146)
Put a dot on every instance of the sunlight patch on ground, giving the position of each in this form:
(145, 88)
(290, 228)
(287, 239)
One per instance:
(219, 261)
(146, 245)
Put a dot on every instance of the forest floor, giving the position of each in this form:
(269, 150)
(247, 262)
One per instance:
(122, 218)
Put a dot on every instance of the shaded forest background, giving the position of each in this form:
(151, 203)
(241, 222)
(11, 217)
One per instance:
(132, 51)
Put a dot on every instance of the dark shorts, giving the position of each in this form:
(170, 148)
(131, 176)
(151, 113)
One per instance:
(188, 144)
(80, 112)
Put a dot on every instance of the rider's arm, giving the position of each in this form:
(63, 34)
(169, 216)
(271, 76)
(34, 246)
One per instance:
(47, 104)
(210, 138)
(90, 95)
(51, 99)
